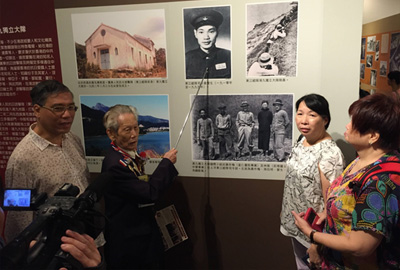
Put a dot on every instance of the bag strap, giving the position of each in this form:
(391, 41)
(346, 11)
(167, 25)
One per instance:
(391, 167)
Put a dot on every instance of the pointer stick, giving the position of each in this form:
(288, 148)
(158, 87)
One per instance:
(190, 110)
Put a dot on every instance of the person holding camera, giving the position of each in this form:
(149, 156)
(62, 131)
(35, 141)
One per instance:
(263, 67)
(315, 161)
(83, 248)
(362, 228)
(49, 155)
(279, 32)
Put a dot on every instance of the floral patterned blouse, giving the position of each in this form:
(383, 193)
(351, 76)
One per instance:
(303, 182)
(373, 206)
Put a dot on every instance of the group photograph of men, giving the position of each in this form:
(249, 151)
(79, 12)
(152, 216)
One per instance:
(242, 127)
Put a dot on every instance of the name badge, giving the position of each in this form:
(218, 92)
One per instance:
(220, 66)
(144, 178)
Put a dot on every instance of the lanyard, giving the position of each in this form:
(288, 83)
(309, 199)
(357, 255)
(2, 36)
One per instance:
(136, 165)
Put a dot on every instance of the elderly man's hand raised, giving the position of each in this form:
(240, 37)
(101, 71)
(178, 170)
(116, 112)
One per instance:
(171, 155)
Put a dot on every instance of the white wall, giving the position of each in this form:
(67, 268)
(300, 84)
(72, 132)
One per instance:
(375, 10)
(329, 35)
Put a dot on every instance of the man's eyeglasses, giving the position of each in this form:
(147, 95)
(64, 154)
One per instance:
(60, 110)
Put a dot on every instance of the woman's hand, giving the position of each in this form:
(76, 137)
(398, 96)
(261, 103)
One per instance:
(302, 223)
(171, 155)
(315, 259)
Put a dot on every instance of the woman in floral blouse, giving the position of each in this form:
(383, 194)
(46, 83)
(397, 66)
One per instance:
(362, 228)
(314, 163)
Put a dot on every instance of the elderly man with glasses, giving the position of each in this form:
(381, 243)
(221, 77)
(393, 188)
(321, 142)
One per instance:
(49, 155)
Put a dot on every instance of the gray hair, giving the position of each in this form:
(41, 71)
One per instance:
(110, 119)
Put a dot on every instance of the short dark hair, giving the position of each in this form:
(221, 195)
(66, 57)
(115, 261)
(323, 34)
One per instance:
(394, 75)
(318, 104)
(378, 113)
(44, 89)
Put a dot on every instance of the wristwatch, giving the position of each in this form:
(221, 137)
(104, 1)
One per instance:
(312, 237)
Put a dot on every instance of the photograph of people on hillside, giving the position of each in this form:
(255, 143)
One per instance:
(124, 44)
(272, 39)
(153, 123)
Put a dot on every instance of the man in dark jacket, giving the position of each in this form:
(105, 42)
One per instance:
(133, 237)
(264, 127)
(218, 60)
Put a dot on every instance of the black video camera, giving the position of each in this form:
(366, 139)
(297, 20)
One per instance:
(53, 217)
(27, 199)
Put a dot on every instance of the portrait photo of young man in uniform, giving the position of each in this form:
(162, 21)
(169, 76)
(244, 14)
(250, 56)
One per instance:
(207, 43)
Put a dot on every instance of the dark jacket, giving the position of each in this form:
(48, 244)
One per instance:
(264, 131)
(132, 235)
(218, 61)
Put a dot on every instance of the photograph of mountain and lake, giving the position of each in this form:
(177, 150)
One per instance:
(154, 138)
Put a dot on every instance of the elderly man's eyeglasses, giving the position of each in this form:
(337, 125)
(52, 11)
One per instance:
(60, 110)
